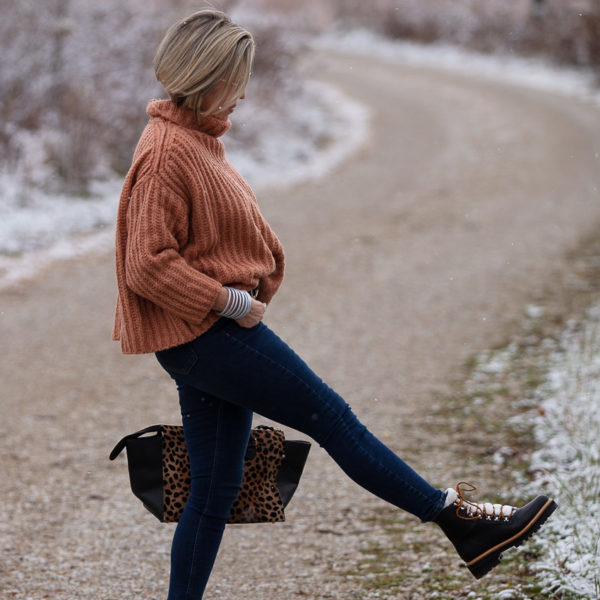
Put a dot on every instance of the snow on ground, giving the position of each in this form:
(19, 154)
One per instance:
(328, 129)
(567, 462)
(37, 228)
(31, 221)
(324, 129)
(528, 72)
(563, 413)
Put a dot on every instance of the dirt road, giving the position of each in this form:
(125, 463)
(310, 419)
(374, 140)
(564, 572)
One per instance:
(421, 250)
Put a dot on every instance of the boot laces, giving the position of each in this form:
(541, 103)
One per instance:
(465, 509)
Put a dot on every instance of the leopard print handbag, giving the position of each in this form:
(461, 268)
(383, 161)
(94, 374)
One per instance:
(159, 473)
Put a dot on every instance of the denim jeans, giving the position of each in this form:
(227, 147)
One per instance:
(224, 376)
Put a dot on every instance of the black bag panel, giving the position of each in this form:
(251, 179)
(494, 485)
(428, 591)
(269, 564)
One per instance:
(296, 453)
(120, 445)
(144, 460)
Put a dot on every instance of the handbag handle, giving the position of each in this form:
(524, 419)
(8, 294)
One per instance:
(299, 450)
(122, 443)
(250, 450)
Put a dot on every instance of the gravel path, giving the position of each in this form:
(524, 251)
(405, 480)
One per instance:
(420, 251)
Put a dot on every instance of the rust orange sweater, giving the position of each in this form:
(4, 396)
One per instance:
(187, 224)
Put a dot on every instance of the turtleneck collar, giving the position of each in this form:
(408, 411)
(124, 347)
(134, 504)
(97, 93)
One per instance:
(166, 109)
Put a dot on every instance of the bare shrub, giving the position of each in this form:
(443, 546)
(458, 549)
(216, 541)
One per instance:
(77, 76)
(439, 20)
(81, 73)
(566, 31)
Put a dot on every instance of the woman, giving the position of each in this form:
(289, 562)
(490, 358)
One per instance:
(197, 265)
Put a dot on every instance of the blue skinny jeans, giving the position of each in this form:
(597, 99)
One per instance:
(224, 376)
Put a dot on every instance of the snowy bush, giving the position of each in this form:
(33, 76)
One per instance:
(76, 77)
(567, 31)
(72, 78)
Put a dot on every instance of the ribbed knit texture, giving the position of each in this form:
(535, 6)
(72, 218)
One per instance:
(187, 224)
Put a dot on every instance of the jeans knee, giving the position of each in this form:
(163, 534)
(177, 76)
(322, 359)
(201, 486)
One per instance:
(344, 423)
(216, 502)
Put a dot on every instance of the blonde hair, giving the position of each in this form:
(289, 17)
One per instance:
(205, 53)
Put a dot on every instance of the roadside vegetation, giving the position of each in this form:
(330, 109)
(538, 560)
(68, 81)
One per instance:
(566, 31)
(75, 76)
(527, 416)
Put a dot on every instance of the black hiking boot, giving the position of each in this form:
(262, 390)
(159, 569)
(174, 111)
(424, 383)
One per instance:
(482, 532)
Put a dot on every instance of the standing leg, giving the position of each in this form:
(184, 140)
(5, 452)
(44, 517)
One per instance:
(216, 435)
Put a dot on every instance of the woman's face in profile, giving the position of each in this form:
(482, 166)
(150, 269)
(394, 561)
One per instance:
(230, 102)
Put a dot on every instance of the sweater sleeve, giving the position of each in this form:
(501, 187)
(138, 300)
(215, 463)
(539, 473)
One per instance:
(270, 284)
(157, 228)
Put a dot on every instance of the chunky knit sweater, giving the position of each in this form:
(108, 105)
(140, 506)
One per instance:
(187, 224)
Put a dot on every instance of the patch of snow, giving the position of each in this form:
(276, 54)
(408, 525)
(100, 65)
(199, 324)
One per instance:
(37, 228)
(563, 413)
(508, 594)
(17, 268)
(567, 463)
(32, 221)
(325, 128)
(533, 311)
(527, 72)
(328, 127)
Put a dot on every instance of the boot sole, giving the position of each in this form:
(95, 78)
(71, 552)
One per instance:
(485, 562)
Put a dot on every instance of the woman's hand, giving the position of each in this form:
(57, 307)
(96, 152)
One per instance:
(254, 317)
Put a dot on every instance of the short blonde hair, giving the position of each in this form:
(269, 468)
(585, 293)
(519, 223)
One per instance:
(200, 53)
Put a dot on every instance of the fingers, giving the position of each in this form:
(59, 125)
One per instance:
(254, 317)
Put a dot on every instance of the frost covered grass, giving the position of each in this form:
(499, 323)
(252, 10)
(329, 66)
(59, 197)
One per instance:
(552, 380)
(567, 462)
